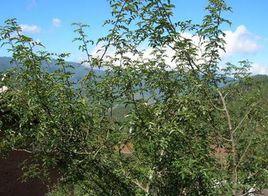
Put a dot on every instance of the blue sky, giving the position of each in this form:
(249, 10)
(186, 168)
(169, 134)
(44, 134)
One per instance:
(50, 22)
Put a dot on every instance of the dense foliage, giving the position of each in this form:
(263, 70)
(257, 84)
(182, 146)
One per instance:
(164, 122)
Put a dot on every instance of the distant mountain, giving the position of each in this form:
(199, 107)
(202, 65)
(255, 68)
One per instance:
(5, 63)
(79, 70)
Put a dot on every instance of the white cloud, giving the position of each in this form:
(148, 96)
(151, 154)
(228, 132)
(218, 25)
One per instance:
(259, 69)
(98, 50)
(30, 28)
(241, 41)
(56, 22)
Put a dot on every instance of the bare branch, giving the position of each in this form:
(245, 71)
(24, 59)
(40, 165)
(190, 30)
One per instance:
(22, 150)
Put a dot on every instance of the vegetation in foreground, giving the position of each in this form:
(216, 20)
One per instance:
(185, 133)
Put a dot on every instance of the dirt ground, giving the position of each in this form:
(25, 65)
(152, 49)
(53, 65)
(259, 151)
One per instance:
(10, 185)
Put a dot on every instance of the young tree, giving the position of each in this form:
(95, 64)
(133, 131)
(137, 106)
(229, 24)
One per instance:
(151, 123)
(244, 135)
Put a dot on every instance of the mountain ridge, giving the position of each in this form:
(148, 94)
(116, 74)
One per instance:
(79, 71)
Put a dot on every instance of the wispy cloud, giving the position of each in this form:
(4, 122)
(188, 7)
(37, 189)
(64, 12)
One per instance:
(30, 28)
(31, 4)
(56, 22)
